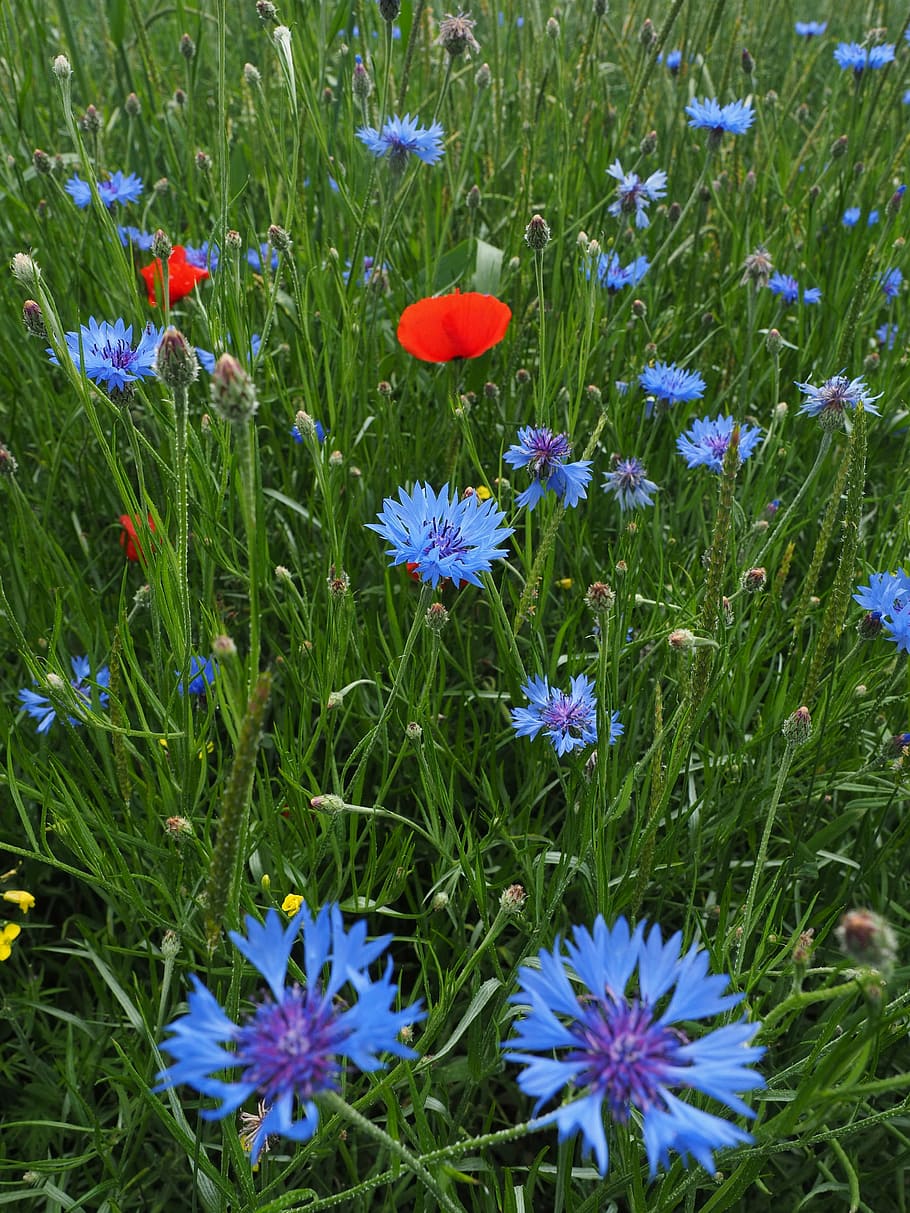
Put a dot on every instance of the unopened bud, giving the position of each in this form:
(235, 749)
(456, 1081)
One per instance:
(132, 105)
(233, 240)
(639, 309)
(90, 122)
(773, 341)
(224, 646)
(33, 319)
(681, 638)
(439, 902)
(279, 239)
(537, 234)
(674, 210)
(472, 198)
(894, 202)
(361, 81)
(252, 75)
(753, 581)
(8, 464)
(599, 598)
(648, 145)
(267, 11)
(748, 63)
(839, 147)
(176, 363)
(436, 617)
(187, 47)
(25, 270)
(203, 162)
(866, 937)
(483, 76)
(41, 161)
(170, 945)
(797, 728)
(61, 67)
(161, 245)
(233, 391)
(552, 28)
(413, 731)
(512, 899)
(647, 35)
(870, 626)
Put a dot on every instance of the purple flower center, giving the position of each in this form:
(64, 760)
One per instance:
(717, 444)
(628, 474)
(116, 353)
(444, 540)
(290, 1045)
(566, 715)
(547, 450)
(632, 195)
(626, 1053)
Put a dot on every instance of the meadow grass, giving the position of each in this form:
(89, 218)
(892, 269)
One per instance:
(354, 742)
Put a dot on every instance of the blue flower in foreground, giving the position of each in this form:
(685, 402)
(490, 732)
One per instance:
(116, 188)
(788, 289)
(634, 196)
(570, 721)
(621, 1051)
(850, 55)
(851, 216)
(836, 394)
(705, 443)
(811, 29)
(291, 1048)
(136, 237)
(203, 671)
(107, 355)
(891, 283)
(442, 537)
(204, 257)
(709, 115)
(886, 335)
(257, 258)
(40, 708)
(614, 277)
(401, 137)
(888, 596)
(545, 456)
(207, 359)
(630, 484)
(671, 383)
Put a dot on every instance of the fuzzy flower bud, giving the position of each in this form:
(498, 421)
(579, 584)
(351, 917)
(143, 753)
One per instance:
(25, 270)
(132, 105)
(33, 319)
(187, 47)
(267, 11)
(537, 234)
(599, 598)
(176, 363)
(361, 81)
(279, 239)
(797, 728)
(866, 937)
(648, 145)
(61, 68)
(483, 77)
(233, 391)
(681, 638)
(413, 731)
(161, 245)
(233, 240)
(552, 29)
(436, 617)
(839, 147)
(773, 341)
(252, 75)
(512, 899)
(41, 161)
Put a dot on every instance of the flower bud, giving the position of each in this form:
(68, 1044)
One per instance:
(233, 241)
(132, 105)
(647, 35)
(41, 161)
(599, 598)
(90, 122)
(537, 234)
(187, 47)
(8, 464)
(33, 319)
(176, 363)
(773, 341)
(413, 731)
(748, 63)
(251, 75)
(267, 11)
(472, 198)
(483, 76)
(753, 581)
(361, 81)
(203, 162)
(839, 147)
(866, 937)
(61, 68)
(161, 245)
(233, 391)
(25, 270)
(797, 728)
(436, 617)
(279, 239)
(512, 899)
(648, 145)
(552, 28)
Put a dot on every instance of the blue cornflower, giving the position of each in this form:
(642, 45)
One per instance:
(614, 276)
(887, 596)
(886, 335)
(570, 721)
(851, 216)
(850, 55)
(136, 237)
(705, 443)
(400, 137)
(373, 274)
(788, 289)
(257, 258)
(891, 283)
(811, 29)
(442, 537)
(207, 359)
(629, 483)
(204, 257)
(545, 456)
(292, 1045)
(107, 356)
(321, 433)
(621, 1052)
(671, 383)
(906, 97)
(40, 708)
(709, 115)
(634, 196)
(672, 60)
(203, 671)
(836, 394)
(116, 188)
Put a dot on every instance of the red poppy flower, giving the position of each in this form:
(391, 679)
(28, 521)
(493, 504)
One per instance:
(453, 326)
(128, 540)
(181, 276)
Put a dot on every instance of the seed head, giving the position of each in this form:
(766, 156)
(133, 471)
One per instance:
(456, 36)
(757, 268)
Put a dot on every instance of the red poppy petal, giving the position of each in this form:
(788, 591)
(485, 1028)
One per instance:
(181, 277)
(453, 326)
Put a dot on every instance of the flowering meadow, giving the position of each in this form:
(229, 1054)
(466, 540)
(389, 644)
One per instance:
(455, 606)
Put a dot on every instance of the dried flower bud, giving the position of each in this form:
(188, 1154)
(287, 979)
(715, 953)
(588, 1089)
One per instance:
(267, 11)
(132, 105)
(797, 728)
(681, 638)
(513, 899)
(599, 597)
(456, 36)
(803, 948)
(440, 901)
(413, 731)
(187, 47)
(233, 241)
(176, 363)
(339, 583)
(866, 937)
(33, 319)
(537, 234)
(178, 827)
(753, 581)
(41, 161)
(757, 268)
(282, 573)
(233, 391)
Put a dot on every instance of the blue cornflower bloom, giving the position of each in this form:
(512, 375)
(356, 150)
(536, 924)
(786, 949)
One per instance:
(292, 1046)
(672, 60)
(851, 216)
(835, 395)
(671, 383)
(401, 137)
(204, 257)
(634, 196)
(570, 721)
(891, 283)
(811, 29)
(887, 596)
(136, 237)
(545, 456)
(442, 537)
(622, 1052)
(873, 219)
(705, 443)
(709, 115)
(321, 433)
(203, 671)
(629, 483)
(850, 55)
(886, 335)
(906, 97)
(257, 258)
(40, 708)
(788, 289)
(372, 275)
(207, 359)
(107, 356)
(115, 188)
(614, 276)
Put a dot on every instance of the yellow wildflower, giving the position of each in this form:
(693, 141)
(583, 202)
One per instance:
(7, 935)
(20, 898)
(565, 583)
(292, 903)
(482, 493)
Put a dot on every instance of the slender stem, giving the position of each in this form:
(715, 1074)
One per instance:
(822, 452)
(343, 1108)
(248, 496)
(181, 395)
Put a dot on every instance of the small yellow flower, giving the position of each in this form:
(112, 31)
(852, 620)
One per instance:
(292, 903)
(20, 898)
(7, 935)
(482, 493)
(565, 583)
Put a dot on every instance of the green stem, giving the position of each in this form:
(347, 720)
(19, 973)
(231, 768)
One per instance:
(759, 560)
(244, 434)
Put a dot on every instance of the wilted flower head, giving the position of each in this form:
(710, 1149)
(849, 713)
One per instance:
(757, 268)
(456, 35)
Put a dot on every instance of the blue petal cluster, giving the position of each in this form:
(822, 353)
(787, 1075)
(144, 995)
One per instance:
(630, 484)
(442, 536)
(203, 672)
(669, 382)
(204, 256)
(672, 61)
(116, 189)
(788, 289)
(709, 115)
(402, 137)
(545, 456)
(705, 443)
(265, 254)
(40, 708)
(619, 1052)
(105, 354)
(835, 396)
(850, 55)
(891, 283)
(207, 359)
(634, 196)
(810, 29)
(614, 276)
(888, 597)
(291, 1048)
(569, 720)
(136, 237)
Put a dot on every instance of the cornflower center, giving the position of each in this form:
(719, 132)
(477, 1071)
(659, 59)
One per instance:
(117, 353)
(835, 393)
(717, 444)
(626, 1053)
(566, 715)
(632, 194)
(445, 539)
(547, 452)
(290, 1046)
(629, 474)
